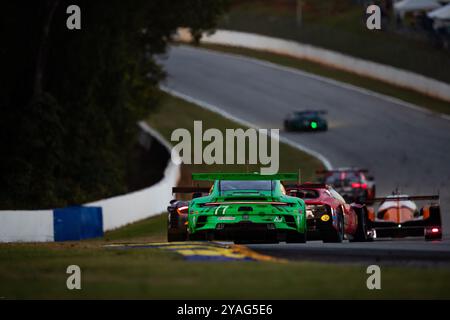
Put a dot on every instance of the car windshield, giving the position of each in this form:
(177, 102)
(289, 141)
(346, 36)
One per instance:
(339, 177)
(309, 194)
(234, 185)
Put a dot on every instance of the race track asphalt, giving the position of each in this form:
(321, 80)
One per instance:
(402, 147)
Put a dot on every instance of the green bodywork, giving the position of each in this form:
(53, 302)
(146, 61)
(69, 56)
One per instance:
(261, 206)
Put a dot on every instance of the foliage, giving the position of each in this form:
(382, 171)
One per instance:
(70, 99)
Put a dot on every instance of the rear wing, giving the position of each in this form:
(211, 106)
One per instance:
(338, 170)
(244, 176)
(306, 186)
(312, 111)
(404, 198)
(190, 189)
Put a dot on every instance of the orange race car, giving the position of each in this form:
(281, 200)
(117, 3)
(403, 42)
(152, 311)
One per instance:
(399, 216)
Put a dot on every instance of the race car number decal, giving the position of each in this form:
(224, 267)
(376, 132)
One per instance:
(248, 309)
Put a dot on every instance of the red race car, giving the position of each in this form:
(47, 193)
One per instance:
(329, 217)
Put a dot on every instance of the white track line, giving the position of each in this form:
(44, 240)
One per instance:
(328, 81)
(243, 122)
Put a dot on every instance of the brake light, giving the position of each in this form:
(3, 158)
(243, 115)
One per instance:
(357, 185)
(182, 210)
(435, 230)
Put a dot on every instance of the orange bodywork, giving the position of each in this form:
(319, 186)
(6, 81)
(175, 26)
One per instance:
(426, 212)
(371, 213)
(398, 215)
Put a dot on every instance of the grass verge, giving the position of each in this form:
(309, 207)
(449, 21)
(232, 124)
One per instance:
(148, 230)
(38, 271)
(407, 95)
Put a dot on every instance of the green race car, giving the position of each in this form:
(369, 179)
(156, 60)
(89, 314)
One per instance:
(245, 207)
(306, 120)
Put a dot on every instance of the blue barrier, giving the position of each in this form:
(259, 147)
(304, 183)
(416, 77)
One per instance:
(77, 223)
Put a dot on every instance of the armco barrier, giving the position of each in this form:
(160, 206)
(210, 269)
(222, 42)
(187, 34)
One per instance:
(90, 220)
(338, 60)
(26, 226)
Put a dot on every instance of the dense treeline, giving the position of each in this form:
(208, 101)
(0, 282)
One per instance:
(69, 99)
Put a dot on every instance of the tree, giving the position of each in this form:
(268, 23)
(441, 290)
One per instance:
(70, 99)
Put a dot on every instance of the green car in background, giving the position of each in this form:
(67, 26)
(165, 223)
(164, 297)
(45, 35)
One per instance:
(306, 120)
(246, 207)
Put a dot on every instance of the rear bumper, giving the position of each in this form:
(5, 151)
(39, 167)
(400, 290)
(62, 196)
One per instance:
(401, 232)
(318, 228)
(430, 228)
(245, 231)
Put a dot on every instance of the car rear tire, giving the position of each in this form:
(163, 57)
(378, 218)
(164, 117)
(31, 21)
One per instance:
(336, 236)
(434, 221)
(174, 232)
(372, 196)
(176, 235)
(361, 231)
(435, 238)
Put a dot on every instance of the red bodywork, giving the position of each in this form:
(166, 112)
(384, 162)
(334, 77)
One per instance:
(328, 196)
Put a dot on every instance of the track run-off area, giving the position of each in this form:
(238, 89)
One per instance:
(403, 146)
